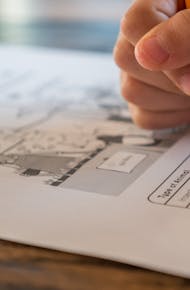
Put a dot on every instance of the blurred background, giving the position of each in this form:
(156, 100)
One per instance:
(73, 24)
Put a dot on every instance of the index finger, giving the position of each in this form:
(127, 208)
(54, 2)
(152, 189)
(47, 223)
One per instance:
(144, 15)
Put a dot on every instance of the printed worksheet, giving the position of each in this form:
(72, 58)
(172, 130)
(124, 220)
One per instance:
(77, 175)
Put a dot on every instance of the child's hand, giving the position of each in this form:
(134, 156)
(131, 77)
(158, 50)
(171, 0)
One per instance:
(153, 52)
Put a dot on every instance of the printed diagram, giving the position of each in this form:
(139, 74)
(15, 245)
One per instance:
(66, 130)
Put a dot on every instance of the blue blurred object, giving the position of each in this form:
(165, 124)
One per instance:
(82, 35)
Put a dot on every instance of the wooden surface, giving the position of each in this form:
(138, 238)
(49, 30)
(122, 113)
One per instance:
(28, 268)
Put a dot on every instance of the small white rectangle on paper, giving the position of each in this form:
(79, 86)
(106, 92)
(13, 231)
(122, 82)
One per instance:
(122, 161)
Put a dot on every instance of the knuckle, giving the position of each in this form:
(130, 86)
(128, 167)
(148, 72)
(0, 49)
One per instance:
(128, 88)
(143, 119)
(133, 20)
(118, 56)
(124, 55)
(144, 123)
(128, 23)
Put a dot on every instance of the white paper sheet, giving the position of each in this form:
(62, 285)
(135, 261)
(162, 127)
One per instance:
(77, 175)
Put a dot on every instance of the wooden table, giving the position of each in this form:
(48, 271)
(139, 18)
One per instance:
(28, 268)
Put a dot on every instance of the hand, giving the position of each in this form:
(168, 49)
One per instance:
(153, 52)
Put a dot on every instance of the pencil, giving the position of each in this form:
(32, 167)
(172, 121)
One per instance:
(182, 4)
(187, 3)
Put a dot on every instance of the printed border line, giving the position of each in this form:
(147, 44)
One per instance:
(166, 203)
(149, 197)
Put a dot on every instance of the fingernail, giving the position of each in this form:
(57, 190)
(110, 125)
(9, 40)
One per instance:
(152, 50)
(185, 83)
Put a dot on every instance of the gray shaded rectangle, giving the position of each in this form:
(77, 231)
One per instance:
(91, 179)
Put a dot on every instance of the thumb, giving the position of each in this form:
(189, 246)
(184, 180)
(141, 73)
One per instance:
(166, 46)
